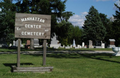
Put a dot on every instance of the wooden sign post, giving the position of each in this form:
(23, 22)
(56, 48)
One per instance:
(32, 26)
(18, 54)
(44, 52)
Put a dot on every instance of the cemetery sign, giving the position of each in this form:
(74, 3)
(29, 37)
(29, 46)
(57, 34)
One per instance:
(32, 26)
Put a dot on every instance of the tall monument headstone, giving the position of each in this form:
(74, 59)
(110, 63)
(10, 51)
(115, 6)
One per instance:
(83, 44)
(74, 45)
(103, 45)
(90, 44)
(54, 42)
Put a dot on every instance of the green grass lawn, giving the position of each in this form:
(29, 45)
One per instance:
(65, 66)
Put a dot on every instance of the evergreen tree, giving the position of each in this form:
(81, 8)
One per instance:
(93, 27)
(108, 25)
(116, 26)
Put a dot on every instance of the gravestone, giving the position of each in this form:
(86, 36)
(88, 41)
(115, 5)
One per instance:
(14, 44)
(63, 46)
(67, 47)
(74, 45)
(90, 44)
(112, 43)
(83, 45)
(98, 44)
(54, 42)
(78, 47)
(28, 42)
(103, 45)
(10, 45)
(36, 43)
(70, 46)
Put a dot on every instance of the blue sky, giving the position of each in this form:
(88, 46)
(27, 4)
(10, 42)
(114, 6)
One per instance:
(81, 8)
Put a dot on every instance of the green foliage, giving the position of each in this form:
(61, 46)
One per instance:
(93, 27)
(64, 32)
(108, 25)
(10, 37)
(55, 8)
(7, 19)
(116, 26)
(64, 41)
(77, 33)
(67, 32)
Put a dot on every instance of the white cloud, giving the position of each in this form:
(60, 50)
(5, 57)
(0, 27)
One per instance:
(118, 3)
(78, 20)
(84, 13)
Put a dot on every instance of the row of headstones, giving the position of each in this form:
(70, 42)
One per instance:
(15, 43)
(102, 45)
(74, 46)
(56, 44)
(112, 44)
(36, 43)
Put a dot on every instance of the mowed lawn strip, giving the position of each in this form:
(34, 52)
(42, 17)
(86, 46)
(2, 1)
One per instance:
(65, 66)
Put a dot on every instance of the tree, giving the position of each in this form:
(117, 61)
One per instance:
(93, 27)
(77, 33)
(67, 32)
(116, 25)
(108, 25)
(55, 8)
(64, 32)
(7, 16)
